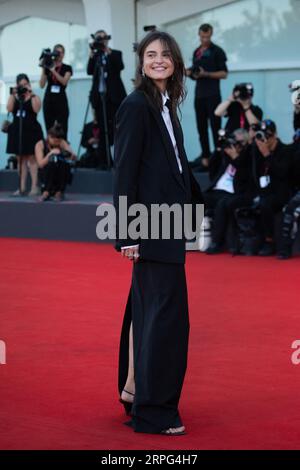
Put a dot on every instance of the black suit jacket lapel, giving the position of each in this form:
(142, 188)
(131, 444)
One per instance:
(183, 158)
(168, 145)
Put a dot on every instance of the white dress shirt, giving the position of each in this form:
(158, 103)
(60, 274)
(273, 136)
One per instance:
(167, 119)
(225, 183)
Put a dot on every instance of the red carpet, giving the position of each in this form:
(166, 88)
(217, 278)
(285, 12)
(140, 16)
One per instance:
(61, 311)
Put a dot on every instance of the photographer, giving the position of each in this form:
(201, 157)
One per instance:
(54, 157)
(270, 182)
(90, 141)
(105, 65)
(209, 67)
(57, 75)
(239, 109)
(291, 212)
(24, 105)
(229, 169)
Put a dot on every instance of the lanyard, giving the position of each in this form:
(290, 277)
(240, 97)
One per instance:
(242, 120)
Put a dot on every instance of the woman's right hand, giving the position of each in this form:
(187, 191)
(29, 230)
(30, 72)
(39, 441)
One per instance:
(132, 253)
(55, 151)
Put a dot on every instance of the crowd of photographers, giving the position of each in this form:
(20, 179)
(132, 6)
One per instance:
(50, 159)
(254, 182)
(254, 177)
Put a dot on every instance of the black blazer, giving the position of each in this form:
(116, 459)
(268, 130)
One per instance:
(115, 88)
(218, 163)
(146, 171)
(279, 165)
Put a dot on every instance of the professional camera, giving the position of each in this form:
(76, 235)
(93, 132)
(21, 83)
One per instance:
(295, 90)
(265, 130)
(226, 140)
(48, 58)
(195, 68)
(64, 155)
(243, 91)
(98, 45)
(19, 90)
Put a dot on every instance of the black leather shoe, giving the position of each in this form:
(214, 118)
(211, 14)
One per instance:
(284, 255)
(268, 249)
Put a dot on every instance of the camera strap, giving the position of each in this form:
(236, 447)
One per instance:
(242, 120)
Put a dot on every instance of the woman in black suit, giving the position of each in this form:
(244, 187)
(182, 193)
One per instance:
(151, 167)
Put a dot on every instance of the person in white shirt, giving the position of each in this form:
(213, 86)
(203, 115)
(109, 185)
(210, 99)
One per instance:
(229, 170)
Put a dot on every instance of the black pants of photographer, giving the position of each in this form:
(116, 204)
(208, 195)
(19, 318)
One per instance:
(269, 205)
(56, 109)
(55, 177)
(223, 205)
(290, 216)
(111, 109)
(205, 114)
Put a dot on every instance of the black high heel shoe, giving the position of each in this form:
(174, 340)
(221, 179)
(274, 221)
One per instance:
(127, 405)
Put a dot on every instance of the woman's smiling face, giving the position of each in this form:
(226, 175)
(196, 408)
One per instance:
(157, 62)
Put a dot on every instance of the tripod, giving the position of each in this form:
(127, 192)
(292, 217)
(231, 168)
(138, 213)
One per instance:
(20, 144)
(84, 122)
(102, 66)
(100, 73)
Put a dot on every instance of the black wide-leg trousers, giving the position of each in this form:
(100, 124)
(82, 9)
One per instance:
(157, 306)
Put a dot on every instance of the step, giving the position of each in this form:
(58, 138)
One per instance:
(85, 181)
(74, 219)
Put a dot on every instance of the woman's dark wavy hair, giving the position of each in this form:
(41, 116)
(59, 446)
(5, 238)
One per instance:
(56, 131)
(22, 76)
(60, 46)
(175, 86)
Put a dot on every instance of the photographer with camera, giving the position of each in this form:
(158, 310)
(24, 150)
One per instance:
(209, 67)
(57, 75)
(229, 169)
(24, 132)
(291, 212)
(90, 141)
(107, 91)
(270, 180)
(239, 109)
(54, 157)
